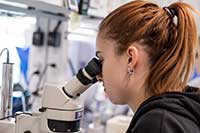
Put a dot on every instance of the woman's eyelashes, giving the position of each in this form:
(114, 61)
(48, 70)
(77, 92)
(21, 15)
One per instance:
(100, 59)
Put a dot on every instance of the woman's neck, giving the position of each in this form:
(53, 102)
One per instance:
(138, 99)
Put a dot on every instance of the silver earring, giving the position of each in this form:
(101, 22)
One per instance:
(130, 71)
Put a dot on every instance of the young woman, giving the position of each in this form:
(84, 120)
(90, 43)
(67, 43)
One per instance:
(147, 54)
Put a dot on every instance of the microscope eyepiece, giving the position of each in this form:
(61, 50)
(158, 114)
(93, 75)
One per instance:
(94, 67)
(83, 79)
(88, 74)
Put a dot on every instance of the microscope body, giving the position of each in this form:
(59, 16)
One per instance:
(59, 113)
(61, 110)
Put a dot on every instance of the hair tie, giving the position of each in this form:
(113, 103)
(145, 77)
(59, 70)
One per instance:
(171, 12)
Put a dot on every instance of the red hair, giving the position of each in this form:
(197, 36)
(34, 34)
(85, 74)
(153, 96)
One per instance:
(170, 40)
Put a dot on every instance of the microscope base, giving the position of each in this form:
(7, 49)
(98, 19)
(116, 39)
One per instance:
(7, 126)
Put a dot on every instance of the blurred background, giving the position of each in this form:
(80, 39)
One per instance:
(73, 26)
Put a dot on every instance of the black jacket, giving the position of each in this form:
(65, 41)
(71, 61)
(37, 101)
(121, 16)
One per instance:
(168, 113)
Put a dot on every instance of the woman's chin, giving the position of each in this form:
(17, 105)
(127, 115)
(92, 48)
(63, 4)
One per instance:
(119, 102)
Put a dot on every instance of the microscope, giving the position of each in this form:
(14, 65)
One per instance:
(62, 109)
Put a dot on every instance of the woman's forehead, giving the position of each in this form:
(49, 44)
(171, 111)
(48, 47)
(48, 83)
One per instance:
(104, 45)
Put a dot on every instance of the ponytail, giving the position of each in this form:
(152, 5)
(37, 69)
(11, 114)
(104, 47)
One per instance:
(172, 71)
(169, 33)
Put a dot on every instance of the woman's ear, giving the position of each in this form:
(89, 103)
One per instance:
(132, 53)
